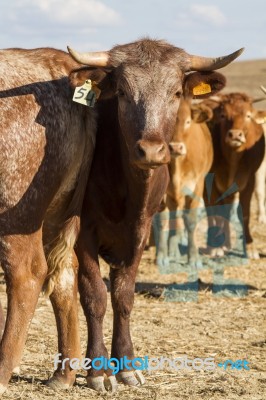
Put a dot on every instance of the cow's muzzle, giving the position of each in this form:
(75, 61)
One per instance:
(151, 154)
(177, 149)
(235, 137)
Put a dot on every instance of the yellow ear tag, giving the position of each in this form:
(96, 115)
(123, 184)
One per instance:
(87, 94)
(202, 88)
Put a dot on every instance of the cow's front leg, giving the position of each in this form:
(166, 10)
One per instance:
(93, 298)
(260, 191)
(161, 221)
(245, 201)
(177, 230)
(24, 264)
(64, 302)
(191, 216)
(122, 294)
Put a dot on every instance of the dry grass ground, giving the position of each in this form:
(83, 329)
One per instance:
(219, 327)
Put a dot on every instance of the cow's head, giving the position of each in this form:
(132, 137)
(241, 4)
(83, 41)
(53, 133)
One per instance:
(187, 116)
(237, 119)
(148, 78)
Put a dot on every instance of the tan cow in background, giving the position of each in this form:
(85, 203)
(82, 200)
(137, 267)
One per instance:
(191, 159)
(260, 182)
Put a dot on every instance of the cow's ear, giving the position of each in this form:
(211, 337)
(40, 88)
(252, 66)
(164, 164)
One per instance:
(260, 117)
(201, 85)
(201, 113)
(101, 77)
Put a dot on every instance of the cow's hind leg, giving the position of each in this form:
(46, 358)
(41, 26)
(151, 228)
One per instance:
(25, 268)
(64, 302)
(61, 287)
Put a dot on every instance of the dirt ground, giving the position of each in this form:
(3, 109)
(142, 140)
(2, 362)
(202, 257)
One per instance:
(219, 326)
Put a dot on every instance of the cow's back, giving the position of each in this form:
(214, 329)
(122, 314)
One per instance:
(44, 135)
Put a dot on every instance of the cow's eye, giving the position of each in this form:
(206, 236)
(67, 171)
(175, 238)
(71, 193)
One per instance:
(248, 115)
(178, 94)
(120, 92)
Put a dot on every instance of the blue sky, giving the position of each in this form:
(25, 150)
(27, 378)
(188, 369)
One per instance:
(205, 27)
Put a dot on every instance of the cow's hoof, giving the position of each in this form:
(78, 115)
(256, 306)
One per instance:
(111, 384)
(16, 370)
(140, 377)
(253, 254)
(2, 389)
(96, 383)
(217, 252)
(131, 378)
(58, 384)
(196, 264)
(162, 262)
(262, 219)
(102, 384)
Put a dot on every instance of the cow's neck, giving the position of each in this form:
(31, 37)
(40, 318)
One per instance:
(232, 158)
(144, 187)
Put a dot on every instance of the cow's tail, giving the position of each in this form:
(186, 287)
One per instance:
(61, 256)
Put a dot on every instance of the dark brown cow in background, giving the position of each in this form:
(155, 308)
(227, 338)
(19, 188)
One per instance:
(239, 147)
(129, 177)
(191, 159)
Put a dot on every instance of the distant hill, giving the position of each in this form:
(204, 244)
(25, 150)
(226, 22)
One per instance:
(246, 76)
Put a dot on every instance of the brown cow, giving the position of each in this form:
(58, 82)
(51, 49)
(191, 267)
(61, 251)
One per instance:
(46, 147)
(191, 159)
(260, 181)
(128, 178)
(239, 147)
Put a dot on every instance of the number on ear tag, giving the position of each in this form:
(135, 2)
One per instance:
(86, 94)
(202, 88)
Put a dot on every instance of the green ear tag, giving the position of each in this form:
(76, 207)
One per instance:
(85, 95)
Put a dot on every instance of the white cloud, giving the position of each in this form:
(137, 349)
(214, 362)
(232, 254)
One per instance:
(74, 12)
(208, 13)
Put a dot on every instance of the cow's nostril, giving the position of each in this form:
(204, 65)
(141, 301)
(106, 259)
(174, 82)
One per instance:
(152, 152)
(230, 134)
(161, 148)
(140, 151)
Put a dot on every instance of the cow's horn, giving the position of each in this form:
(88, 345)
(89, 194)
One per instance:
(197, 63)
(263, 89)
(95, 59)
(258, 99)
(216, 99)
